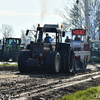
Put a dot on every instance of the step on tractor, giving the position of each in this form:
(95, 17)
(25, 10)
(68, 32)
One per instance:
(10, 49)
(81, 46)
(47, 54)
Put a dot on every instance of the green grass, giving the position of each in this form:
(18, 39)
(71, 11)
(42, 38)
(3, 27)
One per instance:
(89, 94)
(97, 60)
(7, 64)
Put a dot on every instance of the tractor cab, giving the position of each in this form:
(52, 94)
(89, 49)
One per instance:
(10, 49)
(49, 32)
(13, 41)
(95, 49)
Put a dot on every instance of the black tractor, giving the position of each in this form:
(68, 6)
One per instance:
(52, 57)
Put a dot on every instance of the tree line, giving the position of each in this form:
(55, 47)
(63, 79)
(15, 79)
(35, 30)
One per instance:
(74, 16)
(7, 31)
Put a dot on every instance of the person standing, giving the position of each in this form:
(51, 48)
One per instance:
(77, 38)
(67, 39)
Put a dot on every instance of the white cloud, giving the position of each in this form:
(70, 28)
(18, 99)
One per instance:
(12, 13)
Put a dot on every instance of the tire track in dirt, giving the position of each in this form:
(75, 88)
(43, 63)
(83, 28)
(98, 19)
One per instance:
(25, 86)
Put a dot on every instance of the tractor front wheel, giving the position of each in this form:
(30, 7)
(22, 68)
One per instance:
(1, 55)
(69, 60)
(22, 62)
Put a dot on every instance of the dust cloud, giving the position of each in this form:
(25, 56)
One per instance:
(43, 9)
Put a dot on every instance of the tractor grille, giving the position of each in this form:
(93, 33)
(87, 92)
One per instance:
(37, 49)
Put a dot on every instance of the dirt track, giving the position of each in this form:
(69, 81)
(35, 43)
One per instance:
(41, 86)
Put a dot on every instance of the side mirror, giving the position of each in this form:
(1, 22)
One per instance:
(0, 41)
(63, 34)
(27, 32)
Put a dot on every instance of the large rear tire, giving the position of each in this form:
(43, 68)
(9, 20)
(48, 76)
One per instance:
(69, 60)
(22, 62)
(1, 55)
(53, 62)
(62, 55)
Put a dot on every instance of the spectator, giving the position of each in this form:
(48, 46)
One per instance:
(77, 38)
(67, 39)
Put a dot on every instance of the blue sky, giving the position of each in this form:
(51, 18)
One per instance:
(22, 14)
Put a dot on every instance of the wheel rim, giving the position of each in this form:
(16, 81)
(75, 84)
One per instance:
(85, 64)
(71, 62)
(57, 63)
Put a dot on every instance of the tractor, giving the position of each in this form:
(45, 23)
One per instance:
(51, 57)
(95, 50)
(81, 47)
(10, 49)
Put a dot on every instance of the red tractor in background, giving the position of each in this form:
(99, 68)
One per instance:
(53, 57)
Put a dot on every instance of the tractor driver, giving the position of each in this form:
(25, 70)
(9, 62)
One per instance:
(47, 39)
(67, 39)
(77, 38)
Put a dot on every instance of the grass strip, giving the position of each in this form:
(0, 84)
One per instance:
(92, 93)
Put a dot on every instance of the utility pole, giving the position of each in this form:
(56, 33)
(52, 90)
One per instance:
(87, 17)
(77, 1)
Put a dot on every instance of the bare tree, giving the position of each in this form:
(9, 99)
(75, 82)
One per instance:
(7, 31)
(30, 36)
(73, 14)
(94, 29)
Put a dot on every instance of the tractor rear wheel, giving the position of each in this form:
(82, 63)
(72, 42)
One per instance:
(83, 65)
(15, 56)
(53, 62)
(69, 60)
(22, 62)
(62, 65)
(1, 55)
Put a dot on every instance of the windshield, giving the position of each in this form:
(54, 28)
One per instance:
(47, 37)
(9, 41)
(52, 36)
(95, 45)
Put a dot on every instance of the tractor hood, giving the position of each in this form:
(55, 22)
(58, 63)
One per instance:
(8, 48)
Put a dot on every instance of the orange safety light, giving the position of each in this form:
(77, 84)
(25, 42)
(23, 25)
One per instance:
(38, 25)
(84, 26)
(61, 26)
